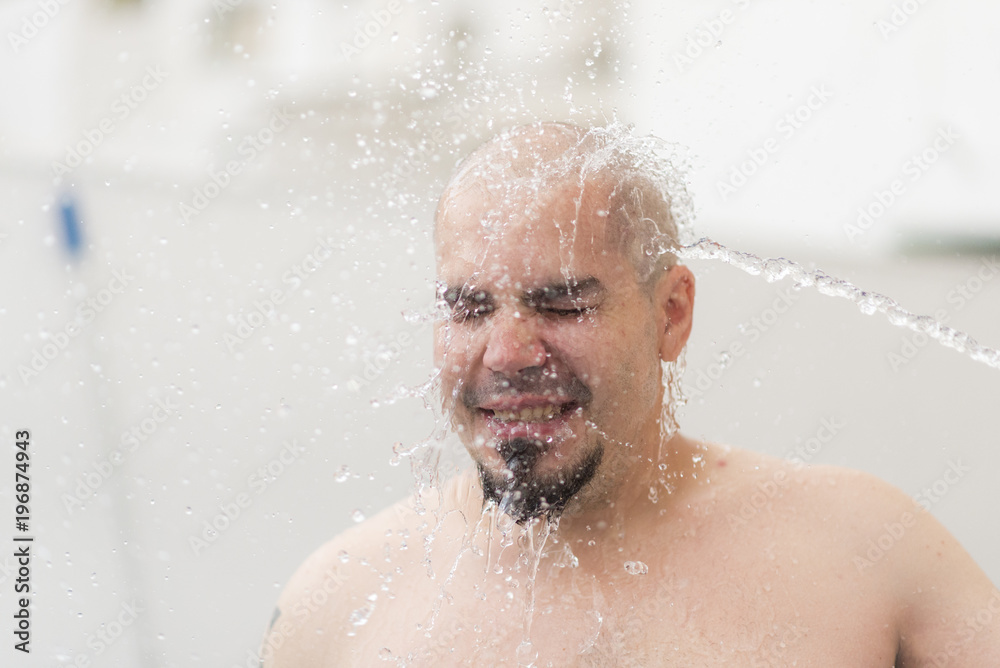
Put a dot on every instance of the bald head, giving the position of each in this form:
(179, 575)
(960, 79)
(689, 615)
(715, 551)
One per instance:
(604, 169)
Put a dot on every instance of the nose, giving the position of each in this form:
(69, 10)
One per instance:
(513, 344)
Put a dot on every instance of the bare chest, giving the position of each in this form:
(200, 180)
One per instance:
(659, 618)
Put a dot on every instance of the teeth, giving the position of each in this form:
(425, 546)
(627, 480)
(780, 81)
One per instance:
(536, 414)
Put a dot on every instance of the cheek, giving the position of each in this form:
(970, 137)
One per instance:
(579, 351)
(449, 345)
(632, 367)
(439, 346)
(453, 355)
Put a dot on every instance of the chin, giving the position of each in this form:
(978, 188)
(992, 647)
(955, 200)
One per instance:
(525, 488)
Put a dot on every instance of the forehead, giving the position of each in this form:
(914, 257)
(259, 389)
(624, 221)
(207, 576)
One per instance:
(526, 231)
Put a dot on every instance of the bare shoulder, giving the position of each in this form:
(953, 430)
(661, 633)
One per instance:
(336, 589)
(947, 610)
(883, 533)
(819, 492)
(854, 506)
(874, 538)
(328, 594)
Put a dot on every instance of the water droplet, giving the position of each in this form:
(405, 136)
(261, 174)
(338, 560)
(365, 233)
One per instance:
(358, 516)
(636, 568)
(526, 654)
(360, 616)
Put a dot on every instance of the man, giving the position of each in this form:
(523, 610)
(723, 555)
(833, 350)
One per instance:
(590, 532)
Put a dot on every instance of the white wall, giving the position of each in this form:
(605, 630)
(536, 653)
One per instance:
(358, 167)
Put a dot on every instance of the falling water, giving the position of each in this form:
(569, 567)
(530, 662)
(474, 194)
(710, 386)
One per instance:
(503, 534)
(869, 303)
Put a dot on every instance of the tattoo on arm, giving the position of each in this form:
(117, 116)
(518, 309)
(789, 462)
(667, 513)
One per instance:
(274, 618)
(267, 636)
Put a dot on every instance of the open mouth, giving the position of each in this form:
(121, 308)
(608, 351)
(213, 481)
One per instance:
(529, 414)
(542, 421)
(542, 413)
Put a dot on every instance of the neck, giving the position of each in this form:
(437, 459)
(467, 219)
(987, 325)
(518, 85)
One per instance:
(619, 508)
(646, 486)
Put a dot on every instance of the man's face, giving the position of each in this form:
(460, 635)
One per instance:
(549, 357)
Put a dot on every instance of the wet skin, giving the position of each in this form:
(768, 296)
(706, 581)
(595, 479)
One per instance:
(754, 564)
(750, 560)
(546, 314)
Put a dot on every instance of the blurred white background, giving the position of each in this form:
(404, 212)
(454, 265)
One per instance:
(267, 307)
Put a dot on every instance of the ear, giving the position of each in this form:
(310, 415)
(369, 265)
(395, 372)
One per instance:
(674, 302)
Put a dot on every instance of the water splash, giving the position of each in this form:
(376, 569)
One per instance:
(598, 624)
(869, 303)
(488, 516)
(528, 542)
(526, 654)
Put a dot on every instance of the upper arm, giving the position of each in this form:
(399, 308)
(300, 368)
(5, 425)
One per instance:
(316, 605)
(308, 611)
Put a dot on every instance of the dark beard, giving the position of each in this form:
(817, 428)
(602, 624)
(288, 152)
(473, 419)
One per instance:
(524, 496)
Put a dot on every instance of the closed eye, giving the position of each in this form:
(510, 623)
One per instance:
(569, 312)
(467, 304)
(463, 311)
(566, 299)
